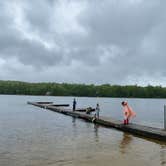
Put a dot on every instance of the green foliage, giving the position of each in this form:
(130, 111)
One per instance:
(64, 89)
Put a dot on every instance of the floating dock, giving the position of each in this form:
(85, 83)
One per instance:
(140, 130)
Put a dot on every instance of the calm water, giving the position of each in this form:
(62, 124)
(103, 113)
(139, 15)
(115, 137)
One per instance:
(30, 136)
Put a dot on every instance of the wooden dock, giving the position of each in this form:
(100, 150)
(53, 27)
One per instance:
(140, 130)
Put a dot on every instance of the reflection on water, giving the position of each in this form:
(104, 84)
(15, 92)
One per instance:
(125, 142)
(163, 154)
(96, 127)
(74, 121)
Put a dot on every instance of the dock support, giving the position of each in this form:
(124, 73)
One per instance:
(165, 117)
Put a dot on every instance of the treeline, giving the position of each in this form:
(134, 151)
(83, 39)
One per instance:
(65, 89)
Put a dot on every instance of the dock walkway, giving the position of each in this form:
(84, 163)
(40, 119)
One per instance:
(140, 130)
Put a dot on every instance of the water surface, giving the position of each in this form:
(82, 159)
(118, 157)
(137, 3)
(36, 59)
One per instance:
(31, 136)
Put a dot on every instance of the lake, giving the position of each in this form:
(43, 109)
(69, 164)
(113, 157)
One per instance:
(31, 136)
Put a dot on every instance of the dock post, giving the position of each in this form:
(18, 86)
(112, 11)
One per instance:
(165, 117)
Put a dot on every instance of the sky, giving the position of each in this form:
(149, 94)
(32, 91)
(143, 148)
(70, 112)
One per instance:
(83, 41)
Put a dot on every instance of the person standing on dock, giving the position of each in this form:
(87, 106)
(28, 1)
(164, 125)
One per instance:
(74, 104)
(128, 112)
(97, 110)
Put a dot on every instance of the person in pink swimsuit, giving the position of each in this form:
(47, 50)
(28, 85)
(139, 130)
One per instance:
(128, 112)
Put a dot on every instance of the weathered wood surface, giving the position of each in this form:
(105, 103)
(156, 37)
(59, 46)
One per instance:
(51, 103)
(44, 102)
(61, 105)
(85, 109)
(140, 130)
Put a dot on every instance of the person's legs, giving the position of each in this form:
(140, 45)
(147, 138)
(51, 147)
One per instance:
(97, 114)
(127, 121)
(74, 107)
(94, 118)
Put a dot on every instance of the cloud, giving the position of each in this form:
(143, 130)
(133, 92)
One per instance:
(109, 41)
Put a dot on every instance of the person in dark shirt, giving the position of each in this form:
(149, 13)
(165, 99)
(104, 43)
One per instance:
(74, 104)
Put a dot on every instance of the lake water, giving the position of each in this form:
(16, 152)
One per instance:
(31, 136)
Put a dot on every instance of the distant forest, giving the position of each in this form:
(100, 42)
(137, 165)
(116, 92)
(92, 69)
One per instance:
(65, 89)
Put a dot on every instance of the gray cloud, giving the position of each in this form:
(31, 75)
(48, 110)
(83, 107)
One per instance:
(83, 41)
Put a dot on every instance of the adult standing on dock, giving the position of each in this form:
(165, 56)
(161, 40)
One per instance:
(128, 112)
(74, 104)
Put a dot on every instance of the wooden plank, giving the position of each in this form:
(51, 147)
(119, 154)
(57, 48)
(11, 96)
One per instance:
(44, 102)
(61, 105)
(85, 109)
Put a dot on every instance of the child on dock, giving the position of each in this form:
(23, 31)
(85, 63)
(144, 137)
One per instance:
(96, 115)
(128, 112)
(97, 110)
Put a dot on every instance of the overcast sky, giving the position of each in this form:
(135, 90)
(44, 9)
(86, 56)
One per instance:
(83, 41)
